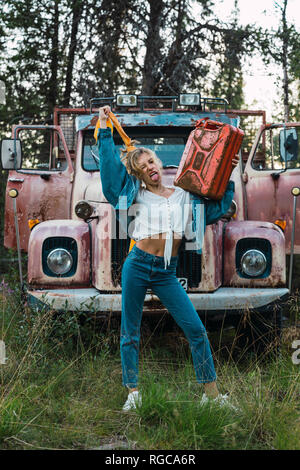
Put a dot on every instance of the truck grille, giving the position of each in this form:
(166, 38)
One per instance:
(189, 263)
(189, 266)
(119, 250)
(67, 123)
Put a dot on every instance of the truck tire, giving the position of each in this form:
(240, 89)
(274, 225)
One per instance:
(260, 332)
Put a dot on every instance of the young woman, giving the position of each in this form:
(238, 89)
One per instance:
(162, 216)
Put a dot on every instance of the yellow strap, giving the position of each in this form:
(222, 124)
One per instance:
(123, 135)
(129, 148)
(108, 123)
(132, 243)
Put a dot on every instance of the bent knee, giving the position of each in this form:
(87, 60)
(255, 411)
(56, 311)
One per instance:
(129, 340)
(197, 332)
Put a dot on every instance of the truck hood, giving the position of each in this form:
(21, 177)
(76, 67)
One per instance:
(93, 192)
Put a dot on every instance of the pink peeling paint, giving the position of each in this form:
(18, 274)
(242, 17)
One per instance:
(38, 198)
(270, 199)
(59, 228)
(236, 231)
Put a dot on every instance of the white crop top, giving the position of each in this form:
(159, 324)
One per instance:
(156, 214)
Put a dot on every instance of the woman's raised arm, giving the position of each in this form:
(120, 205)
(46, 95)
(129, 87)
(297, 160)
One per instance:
(113, 172)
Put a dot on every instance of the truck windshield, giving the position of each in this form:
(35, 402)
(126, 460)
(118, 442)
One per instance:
(167, 143)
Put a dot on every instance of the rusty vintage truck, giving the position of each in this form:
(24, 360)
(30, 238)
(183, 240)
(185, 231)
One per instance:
(56, 212)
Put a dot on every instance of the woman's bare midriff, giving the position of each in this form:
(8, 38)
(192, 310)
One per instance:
(156, 246)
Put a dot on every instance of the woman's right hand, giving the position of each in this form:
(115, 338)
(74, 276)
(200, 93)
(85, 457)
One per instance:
(104, 113)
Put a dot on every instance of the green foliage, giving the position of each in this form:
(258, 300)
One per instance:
(165, 411)
(66, 51)
(228, 82)
(11, 418)
(281, 46)
(32, 73)
(61, 389)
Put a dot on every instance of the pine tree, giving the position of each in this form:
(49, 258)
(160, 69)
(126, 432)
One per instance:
(281, 46)
(228, 82)
(30, 68)
(76, 7)
(105, 57)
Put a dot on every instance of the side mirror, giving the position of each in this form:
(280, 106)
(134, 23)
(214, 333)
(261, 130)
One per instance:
(11, 154)
(288, 145)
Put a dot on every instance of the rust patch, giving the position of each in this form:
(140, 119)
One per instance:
(93, 123)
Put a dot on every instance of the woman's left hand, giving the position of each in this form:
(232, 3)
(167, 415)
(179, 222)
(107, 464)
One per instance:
(235, 160)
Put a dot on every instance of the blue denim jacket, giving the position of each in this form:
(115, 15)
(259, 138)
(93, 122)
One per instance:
(120, 189)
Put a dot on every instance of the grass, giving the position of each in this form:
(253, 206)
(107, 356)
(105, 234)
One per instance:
(61, 389)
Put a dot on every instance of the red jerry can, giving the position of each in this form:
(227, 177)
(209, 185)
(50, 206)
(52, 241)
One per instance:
(206, 163)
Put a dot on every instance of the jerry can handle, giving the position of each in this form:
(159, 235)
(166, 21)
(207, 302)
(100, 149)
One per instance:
(207, 123)
(201, 123)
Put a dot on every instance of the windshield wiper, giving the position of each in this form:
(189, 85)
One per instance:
(96, 159)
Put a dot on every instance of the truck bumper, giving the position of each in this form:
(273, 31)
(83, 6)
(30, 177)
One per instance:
(91, 300)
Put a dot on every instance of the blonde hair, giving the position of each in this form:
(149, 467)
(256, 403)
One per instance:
(130, 159)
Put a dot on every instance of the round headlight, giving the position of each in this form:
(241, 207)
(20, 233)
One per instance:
(253, 263)
(231, 211)
(59, 261)
(83, 210)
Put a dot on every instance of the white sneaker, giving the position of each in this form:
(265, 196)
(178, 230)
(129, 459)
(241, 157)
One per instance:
(221, 400)
(204, 400)
(134, 399)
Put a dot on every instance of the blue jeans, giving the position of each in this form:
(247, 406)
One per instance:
(142, 271)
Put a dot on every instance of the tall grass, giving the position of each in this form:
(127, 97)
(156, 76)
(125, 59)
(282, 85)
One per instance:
(61, 389)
